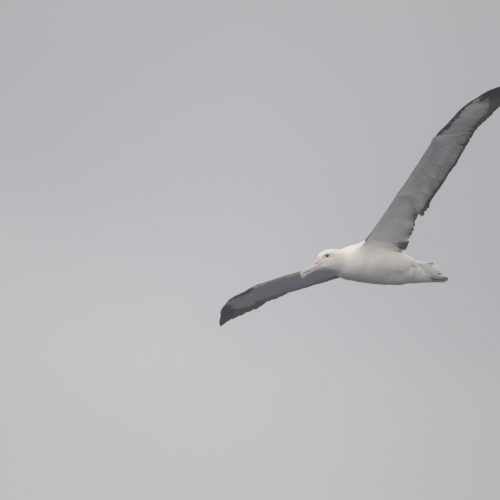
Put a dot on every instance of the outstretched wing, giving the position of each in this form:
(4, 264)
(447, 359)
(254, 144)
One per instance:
(397, 223)
(259, 294)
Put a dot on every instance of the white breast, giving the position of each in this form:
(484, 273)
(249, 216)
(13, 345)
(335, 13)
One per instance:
(370, 263)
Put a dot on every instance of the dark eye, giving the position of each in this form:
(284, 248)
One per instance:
(327, 255)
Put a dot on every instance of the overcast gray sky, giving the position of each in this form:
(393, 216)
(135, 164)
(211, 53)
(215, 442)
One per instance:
(159, 157)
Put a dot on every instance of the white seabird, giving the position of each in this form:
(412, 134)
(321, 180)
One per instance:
(380, 258)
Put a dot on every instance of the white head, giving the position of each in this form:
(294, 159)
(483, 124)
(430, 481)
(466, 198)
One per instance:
(326, 259)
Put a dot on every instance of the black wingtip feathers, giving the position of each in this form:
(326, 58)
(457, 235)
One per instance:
(492, 95)
(227, 313)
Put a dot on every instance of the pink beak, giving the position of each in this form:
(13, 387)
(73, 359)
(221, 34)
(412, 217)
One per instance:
(309, 269)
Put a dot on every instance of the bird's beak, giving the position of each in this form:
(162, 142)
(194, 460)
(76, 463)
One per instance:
(309, 269)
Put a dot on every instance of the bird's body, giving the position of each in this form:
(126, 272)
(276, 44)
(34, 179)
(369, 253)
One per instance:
(369, 263)
(380, 258)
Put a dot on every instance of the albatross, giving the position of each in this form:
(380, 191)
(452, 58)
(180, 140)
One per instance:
(380, 258)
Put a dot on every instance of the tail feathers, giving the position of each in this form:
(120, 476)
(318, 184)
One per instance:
(439, 278)
(434, 273)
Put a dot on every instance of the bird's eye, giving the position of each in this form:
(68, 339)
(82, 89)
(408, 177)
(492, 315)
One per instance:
(327, 255)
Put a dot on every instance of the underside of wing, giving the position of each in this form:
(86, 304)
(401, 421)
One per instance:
(396, 225)
(260, 294)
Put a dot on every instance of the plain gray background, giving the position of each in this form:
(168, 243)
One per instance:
(159, 157)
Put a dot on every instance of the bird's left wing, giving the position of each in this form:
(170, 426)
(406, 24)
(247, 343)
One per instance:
(396, 225)
(259, 294)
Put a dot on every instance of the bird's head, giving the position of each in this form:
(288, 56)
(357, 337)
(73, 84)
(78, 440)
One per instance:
(326, 259)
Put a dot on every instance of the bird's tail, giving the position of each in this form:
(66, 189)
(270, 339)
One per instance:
(436, 274)
(439, 278)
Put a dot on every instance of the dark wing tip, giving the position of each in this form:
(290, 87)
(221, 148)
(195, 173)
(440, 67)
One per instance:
(492, 95)
(227, 313)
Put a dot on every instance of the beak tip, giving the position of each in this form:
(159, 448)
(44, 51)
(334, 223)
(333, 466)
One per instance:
(308, 270)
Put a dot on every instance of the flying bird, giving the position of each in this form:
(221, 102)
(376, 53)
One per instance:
(380, 258)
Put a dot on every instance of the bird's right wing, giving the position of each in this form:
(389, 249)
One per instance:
(259, 294)
(396, 225)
